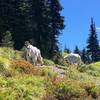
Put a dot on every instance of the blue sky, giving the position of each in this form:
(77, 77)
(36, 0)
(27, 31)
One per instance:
(77, 15)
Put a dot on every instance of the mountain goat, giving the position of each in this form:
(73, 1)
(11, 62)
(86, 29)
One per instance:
(33, 54)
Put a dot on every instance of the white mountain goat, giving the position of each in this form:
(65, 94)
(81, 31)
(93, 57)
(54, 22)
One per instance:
(73, 58)
(33, 54)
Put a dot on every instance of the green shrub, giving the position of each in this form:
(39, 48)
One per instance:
(6, 40)
(5, 67)
(10, 53)
(64, 54)
(66, 90)
(4, 63)
(22, 88)
(88, 85)
(24, 67)
(94, 69)
(48, 62)
(91, 69)
(59, 59)
(95, 92)
(47, 71)
(73, 73)
(70, 89)
(83, 68)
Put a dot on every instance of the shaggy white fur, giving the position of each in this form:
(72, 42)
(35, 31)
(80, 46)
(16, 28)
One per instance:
(33, 55)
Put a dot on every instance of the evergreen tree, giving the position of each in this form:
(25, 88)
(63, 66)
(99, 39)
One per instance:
(77, 51)
(84, 56)
(6, 16)
(55, 24)
(67, 50)
(46, 23)
(7, 39)
(20, 27)
(39, 26)
(93, 49)
(37, 20)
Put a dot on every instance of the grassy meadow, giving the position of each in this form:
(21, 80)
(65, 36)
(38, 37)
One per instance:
(20, 80)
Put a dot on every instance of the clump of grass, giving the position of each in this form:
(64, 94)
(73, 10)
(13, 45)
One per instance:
(10, 53)
(59, 59)
(48, 62)
(96, 92)
(65, 90)
(4, 67)
(22, 87)
(88, 85)
(4, 63)
(47, 71)
(69, 89)
(92, 69)
(73, 73)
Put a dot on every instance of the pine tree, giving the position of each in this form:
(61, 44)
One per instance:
(66, 50)
(6, 16)
(77, 51)
(38, 25)
(37, 20)
(20, 27)
(93, 44)
(46, 24)
(7, 39)
(56, 24)
(84, 56)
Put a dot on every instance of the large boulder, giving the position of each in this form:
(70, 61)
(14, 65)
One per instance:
(73, 58)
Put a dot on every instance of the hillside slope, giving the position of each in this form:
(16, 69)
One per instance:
(20, 80)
